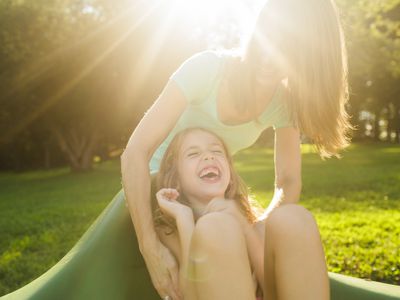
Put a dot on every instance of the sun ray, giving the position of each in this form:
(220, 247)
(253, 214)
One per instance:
(50, 101)
(146, 61)
(192, 14)
(39, 67)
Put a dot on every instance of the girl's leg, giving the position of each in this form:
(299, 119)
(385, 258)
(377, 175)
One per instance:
(219, 266)
(295, 266)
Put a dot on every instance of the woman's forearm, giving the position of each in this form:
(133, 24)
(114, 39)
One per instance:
(136, 184)
(287, 192)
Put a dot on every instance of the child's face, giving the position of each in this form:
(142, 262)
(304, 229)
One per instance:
(203, 167)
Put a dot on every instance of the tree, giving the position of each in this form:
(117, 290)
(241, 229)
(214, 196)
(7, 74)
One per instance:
(80, 83)
(373, 39)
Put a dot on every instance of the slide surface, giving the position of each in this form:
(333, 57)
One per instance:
(106, 264)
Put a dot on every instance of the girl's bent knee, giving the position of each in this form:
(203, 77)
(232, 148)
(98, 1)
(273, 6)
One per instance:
(217, 226)
(216, 220)
(290, 217)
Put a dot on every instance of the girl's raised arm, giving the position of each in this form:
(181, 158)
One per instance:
(155, 126)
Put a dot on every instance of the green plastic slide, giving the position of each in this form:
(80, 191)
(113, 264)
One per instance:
(106, 264)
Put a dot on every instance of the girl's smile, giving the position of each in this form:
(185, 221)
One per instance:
(210, 173)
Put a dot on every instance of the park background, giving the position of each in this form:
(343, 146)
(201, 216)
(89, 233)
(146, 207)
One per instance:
(76, 76)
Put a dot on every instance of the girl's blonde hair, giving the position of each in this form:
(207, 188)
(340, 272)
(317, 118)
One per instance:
(168, 177)
(308, 43)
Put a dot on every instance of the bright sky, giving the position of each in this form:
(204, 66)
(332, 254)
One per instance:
(206, 15)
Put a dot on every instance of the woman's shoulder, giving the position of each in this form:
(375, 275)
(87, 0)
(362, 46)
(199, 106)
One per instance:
(216, 53)
(205, 62)
(208, 59)
(197, 74)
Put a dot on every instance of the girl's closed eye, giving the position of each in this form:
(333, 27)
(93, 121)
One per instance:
(218, 151)
(192, 154)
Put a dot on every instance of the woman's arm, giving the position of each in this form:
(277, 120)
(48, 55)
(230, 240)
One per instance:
(287, 168)
(147, 136)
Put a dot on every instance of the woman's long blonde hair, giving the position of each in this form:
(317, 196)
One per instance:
(168, 177)
(308, 43)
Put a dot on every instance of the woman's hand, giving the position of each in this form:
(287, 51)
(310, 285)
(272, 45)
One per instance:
(164, 271)
(167, 200)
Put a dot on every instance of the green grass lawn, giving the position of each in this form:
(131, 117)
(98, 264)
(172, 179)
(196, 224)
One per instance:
(355, 201)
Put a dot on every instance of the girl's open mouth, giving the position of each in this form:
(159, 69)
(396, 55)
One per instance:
(210, 174)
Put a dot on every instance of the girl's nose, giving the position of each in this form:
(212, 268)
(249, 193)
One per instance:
(209, 155)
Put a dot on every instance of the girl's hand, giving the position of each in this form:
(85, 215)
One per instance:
(167, 200)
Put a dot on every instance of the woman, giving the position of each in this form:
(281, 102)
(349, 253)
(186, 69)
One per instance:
(292, 76)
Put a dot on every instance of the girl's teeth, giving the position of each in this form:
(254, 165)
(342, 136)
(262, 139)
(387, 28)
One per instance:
(207, 171)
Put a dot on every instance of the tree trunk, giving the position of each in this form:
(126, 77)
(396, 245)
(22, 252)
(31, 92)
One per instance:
(396, 123)
(46, 156)
(78, 148)
(376, 125)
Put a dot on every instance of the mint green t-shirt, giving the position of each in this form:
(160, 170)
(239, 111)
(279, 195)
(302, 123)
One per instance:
(199, 78)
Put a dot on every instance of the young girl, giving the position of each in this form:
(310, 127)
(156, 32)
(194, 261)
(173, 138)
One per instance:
(203, 214)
